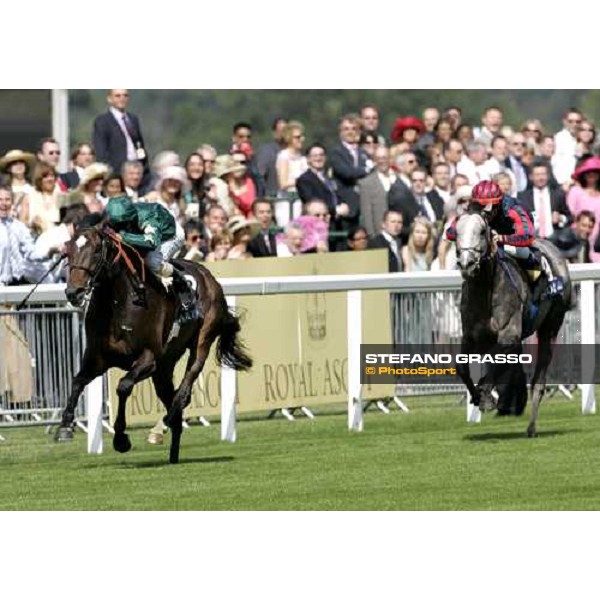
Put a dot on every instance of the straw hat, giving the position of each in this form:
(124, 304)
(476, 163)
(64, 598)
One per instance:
(226, 164)
(94, 171)
(13, 156)
(238, 222)
(176, 173)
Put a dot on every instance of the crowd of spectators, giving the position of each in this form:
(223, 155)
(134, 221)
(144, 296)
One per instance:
(371, 189)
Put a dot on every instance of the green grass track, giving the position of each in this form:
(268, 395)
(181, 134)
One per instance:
(430, 459)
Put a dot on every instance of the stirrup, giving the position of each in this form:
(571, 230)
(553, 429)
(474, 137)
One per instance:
(555, 288)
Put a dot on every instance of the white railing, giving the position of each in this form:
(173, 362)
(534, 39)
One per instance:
(428, 281)
(354, 285)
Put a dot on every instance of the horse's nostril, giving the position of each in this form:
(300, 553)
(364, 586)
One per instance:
(73, 293)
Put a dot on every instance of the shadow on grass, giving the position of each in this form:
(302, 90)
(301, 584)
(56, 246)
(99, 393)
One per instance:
(184, 461)
(514, 435)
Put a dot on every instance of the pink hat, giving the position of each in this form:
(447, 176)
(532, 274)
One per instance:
(588, 165)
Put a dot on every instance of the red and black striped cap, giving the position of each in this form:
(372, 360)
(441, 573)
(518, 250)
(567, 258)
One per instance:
(487, 192)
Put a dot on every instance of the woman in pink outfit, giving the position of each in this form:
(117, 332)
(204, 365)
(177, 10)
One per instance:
(586, 196)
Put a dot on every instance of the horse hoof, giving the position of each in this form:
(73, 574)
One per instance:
(155, 438)
(531, 432)
(121, 443)
(64, 434)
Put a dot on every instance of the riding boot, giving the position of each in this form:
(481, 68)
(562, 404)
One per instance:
(556, 285)
(139, 291)
(189, 308)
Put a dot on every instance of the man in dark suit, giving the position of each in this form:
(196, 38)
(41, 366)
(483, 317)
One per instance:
(514, 161)
(263, 243)
(266, 157)
(117, 135)
(389, 238)
(416, 202)
(315, 183)
(349, 164)
(547, 205)
(83, 156)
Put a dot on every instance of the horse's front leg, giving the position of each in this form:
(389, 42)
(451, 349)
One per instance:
(92, 366)
(464, 372)
(142, 368)
(538, 382)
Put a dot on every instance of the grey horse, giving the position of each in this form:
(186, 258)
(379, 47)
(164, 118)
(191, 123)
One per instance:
(495, 294)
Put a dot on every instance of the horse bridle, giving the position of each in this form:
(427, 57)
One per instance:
(488, 239)
(95, 274)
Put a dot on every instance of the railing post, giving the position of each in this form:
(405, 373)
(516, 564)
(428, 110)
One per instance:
(228, 395)
(355, 411)
(588, 340)
(60, 124)
(94, 396)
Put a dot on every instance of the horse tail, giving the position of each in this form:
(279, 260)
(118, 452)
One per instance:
(230, 350)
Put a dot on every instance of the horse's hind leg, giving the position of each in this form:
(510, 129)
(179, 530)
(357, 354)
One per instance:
(142, 368)
(92, 366)
(198, 355)
(538, 382)
(174, 417)
(165, 390)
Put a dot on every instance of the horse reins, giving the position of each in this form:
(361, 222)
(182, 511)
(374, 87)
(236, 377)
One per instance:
(122, 254)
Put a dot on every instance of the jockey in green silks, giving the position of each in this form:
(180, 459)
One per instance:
(151, 228)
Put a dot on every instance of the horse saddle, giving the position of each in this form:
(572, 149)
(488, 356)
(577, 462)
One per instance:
(185, 288)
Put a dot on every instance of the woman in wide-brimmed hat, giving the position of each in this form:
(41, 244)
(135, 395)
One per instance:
(18, 165)
(242, 230)
(407, 129)
(90, 186)
(586, 195)
(242, 189)
(171, 188)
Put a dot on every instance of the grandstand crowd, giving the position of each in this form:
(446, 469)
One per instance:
(393, 189)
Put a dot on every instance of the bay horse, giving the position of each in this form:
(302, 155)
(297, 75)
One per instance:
(495, 308)
(137, 339)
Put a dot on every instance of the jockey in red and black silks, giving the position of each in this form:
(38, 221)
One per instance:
(512, 230)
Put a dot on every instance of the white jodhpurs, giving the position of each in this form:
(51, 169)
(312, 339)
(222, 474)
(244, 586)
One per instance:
(157, 259)
(517, 251)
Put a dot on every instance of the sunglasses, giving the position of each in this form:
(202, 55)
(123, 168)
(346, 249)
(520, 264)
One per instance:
(194, 238)
(361, 238)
